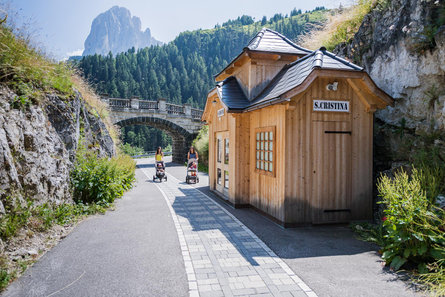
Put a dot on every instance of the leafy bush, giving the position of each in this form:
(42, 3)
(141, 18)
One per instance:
(414, 225)
(201, 144)
(98, 180)
(130, 150)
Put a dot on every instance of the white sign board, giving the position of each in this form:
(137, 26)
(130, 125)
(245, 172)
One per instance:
(220, 112)
(330, 105)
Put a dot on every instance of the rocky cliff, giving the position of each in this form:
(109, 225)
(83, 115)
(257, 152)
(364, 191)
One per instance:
(401, 43)
(117, 31)
(38, 146)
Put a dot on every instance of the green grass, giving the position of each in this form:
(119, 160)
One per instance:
(42, 217)
(346, 29)
(28, 73)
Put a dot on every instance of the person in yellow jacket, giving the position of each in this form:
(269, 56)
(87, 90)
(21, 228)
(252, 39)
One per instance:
(159, 156)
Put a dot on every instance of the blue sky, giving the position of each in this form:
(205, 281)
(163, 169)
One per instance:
(60, 27)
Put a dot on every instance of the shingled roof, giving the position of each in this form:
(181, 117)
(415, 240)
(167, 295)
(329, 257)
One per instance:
(293, 74)
(270, 41)
(232, 95)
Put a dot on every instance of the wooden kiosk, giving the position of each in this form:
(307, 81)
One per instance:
(291, 133)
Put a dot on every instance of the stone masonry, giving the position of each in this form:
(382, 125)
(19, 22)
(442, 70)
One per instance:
(181, 122)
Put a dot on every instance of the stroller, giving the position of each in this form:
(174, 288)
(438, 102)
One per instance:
(160, 171)
(192, 172)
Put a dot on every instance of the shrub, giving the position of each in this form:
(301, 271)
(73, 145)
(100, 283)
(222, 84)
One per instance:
(414, 225)
(130, 150)
(97, 180)
(201, 144)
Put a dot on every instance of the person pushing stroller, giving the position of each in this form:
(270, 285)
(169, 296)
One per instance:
(192, 166)
(159, 165)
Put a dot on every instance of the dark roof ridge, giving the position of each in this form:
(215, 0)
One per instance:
(340, 59)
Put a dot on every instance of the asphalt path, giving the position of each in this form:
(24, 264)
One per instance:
(131, 251)
(134, 251)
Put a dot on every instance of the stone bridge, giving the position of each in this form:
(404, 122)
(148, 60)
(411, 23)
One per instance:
(181, 122)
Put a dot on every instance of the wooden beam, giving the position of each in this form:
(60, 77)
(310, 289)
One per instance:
(376, 90)
(359, 93)
(230, 70)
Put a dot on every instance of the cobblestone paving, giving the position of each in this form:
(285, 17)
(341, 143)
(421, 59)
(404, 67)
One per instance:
(222, 256)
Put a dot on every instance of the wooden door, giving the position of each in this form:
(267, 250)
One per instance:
(331, 166)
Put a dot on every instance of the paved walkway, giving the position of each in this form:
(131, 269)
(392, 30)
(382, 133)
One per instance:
(171, 239)
(222, 256)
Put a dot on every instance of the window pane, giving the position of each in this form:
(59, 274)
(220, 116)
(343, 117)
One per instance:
(258, 136)
(257, 155)
(262, 156)
(262, 135)
(262, 145)
(270, 136)
(266, 156)
(266, 136)
(219, 176)
(266, 166)
(266, 146)
(262, 165)
(270, 156)
(226, 151)
(258, 164)
(270, 166)
(219, 150)
(271, 145)
(226, 179)
(257, 145)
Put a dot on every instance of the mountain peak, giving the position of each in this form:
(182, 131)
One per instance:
(117, 31)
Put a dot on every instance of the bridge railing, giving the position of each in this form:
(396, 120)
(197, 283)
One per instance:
(159, 106)
(145, 104)
(175, 109)
(119, 103)
(196, 113)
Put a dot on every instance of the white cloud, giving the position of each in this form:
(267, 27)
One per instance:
(75, 53)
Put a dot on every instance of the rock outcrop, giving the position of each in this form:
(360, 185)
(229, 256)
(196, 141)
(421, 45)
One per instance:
(402, 45)
(117, 31)
(38, 146)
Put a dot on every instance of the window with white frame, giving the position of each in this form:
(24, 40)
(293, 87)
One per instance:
(265, 150)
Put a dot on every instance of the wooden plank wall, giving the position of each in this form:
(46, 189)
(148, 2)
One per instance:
(239, 193)
(267, 192)
(256, 73)
(299, 204)
(262, 73)
(362, 161)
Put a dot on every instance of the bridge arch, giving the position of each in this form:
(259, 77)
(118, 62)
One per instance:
(181, 138)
